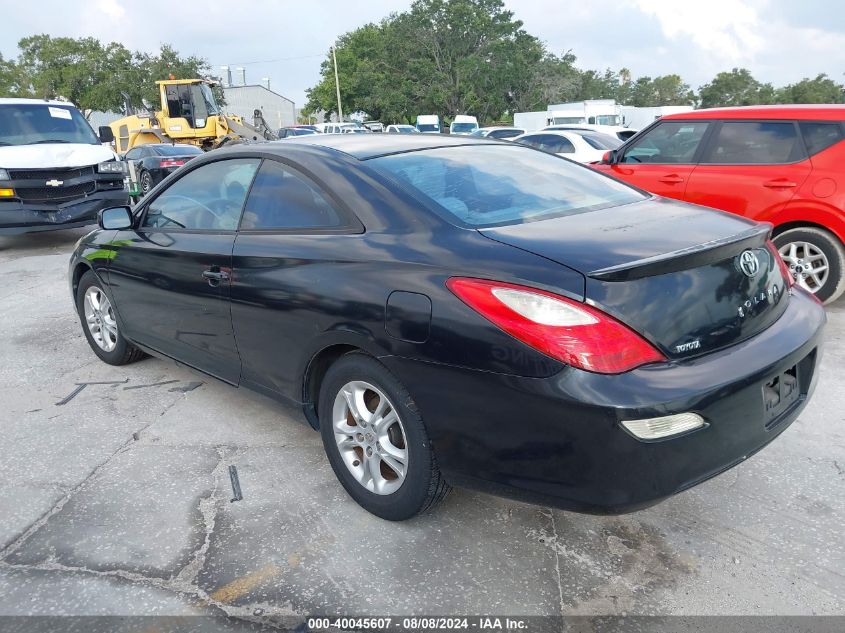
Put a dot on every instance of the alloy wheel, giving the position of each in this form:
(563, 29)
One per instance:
(370, 437)
(99, 317)
(146, 182)
(807, 263)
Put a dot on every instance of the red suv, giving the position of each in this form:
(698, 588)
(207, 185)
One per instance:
(778, 164)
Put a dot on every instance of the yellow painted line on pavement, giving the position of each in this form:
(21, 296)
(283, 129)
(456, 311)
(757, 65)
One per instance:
(240, 586)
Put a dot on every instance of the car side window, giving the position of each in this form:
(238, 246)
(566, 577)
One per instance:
(755, 143)
(670, 142)
(536, 141)
(392, 130)
(819, 135)
(133, 154)
(562, 145)
(281, 199)
(207, 198)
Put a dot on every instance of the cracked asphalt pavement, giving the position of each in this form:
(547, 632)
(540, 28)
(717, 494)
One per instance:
(118, 503)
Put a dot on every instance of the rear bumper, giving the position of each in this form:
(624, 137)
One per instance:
(17, 217)
(558, 440)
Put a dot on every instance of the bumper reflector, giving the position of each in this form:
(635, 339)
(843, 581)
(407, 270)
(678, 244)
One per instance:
(667, 426)
(7, 193)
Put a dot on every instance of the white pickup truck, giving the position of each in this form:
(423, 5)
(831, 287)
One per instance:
(55, 172)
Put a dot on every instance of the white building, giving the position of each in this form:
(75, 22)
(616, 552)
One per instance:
(277, 109)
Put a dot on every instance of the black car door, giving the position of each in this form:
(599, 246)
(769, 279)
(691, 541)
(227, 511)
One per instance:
(285, 252)
(170, 277)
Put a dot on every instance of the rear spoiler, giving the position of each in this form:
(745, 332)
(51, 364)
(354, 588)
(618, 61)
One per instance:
(692, 257)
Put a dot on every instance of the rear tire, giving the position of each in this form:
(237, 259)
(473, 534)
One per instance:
(146, 181)
(817, 260)
(97, 315)
(376, 441)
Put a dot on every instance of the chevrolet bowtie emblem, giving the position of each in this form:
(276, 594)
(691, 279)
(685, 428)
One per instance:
(54, 183)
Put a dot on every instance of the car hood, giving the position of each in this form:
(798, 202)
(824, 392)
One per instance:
(644, 231)
(47, 155)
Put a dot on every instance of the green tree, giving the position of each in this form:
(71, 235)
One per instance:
(735, 88)
(91, 75)
(660, 91)
(822, 89)
(442, 56)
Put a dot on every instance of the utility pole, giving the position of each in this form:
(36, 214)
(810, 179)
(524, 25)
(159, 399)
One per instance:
(337, 85)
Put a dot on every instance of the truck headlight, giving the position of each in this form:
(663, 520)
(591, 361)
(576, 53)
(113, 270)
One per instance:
(4, 175)
(111, 167)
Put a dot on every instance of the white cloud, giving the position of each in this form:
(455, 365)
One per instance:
(111, 8)
(727, 29)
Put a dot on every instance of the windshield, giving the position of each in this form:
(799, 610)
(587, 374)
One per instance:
(176, 150)
(407, 129)
(210, 102)
(428, 127)
(28, 124)
(464, 127)
(607, 119)
(493, 185)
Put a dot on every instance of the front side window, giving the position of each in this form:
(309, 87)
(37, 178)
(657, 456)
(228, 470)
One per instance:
(208, 198)
(670, 142)
(281, 199)
(488, 185)
(33, 124)
(819, 135)
(755, 143)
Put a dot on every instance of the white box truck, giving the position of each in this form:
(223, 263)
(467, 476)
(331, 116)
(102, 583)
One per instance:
(55, 172)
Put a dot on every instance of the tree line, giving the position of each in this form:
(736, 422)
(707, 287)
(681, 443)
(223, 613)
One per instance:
(90, 74)
(474, 57)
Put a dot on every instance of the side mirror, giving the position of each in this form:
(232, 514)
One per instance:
(106, 134)
(609, 158)
(115, 218)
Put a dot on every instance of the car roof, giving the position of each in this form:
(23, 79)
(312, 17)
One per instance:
(364, 146)
(831, 111)
(21, 101)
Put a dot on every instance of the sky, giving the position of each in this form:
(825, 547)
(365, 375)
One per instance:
(780, 41)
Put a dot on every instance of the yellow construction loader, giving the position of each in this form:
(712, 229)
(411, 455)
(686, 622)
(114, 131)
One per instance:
(189, 114)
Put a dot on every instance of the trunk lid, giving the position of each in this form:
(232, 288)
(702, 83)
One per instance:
(671, 271)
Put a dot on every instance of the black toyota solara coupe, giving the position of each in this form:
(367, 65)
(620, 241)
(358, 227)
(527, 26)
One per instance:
(450, 311)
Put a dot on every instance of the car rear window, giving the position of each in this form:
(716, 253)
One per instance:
(481, 186)
(819, 135)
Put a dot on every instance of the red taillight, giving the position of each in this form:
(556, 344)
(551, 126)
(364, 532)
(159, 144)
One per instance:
(570, 331)
(784, 269)
(172, 163)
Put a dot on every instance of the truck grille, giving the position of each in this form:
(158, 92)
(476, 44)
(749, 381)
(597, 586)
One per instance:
(55, 194)
(50, 174)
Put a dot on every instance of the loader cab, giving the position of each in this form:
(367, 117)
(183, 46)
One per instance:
(190, 100)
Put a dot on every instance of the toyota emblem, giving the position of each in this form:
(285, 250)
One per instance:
(749, 264)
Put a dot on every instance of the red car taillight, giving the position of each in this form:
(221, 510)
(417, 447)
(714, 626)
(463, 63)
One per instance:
(570, 331)
(172, 163)
(784, 269)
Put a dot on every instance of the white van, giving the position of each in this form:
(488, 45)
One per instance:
(463, 124)
(428, 123)
(55, 172)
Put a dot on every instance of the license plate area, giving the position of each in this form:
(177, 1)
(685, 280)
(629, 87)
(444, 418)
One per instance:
(779, 394)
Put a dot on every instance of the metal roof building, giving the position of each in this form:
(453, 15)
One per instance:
(278, 110)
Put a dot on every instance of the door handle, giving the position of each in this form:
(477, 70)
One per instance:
(215, 275)
(671, 179)
(780, 183)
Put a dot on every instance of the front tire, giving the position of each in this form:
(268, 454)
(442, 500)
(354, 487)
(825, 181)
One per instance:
(375, 440)
(99, 323)
(816, 259)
